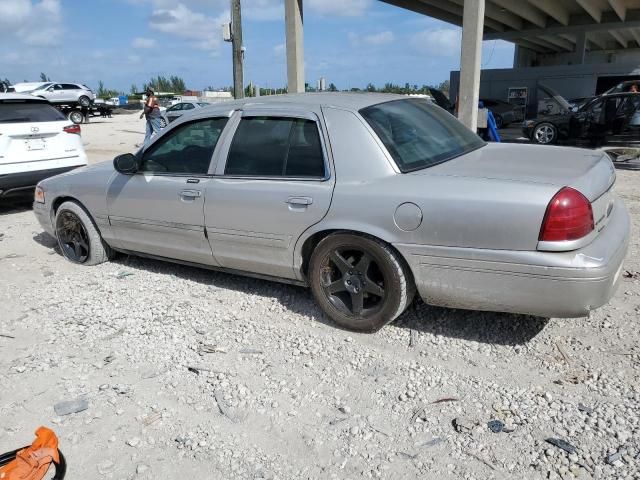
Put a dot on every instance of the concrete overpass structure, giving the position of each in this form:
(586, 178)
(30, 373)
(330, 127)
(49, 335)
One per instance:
(564, 31)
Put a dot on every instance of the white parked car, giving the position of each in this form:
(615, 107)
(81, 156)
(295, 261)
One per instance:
(36, 142)
(65, 93)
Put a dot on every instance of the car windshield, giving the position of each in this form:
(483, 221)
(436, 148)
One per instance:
(43, 87)
(19, 112)
(419, 134)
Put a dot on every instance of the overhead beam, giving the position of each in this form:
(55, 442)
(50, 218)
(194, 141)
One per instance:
(524, 10)
(635, 35)
(619, 7)
(457, 10)
(496, 13)
(610, 21)
(531, 46)
(559, 41)
(597, 41)
(619, 38)
(548, 45)
(591, 7)
(554, 9)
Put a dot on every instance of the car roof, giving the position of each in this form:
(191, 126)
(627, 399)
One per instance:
(345, 100)
(20, 96)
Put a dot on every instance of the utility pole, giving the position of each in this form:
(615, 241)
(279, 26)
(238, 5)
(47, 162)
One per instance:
(237, 50)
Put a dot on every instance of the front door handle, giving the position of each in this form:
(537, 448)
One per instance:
(300, 201)
(190, 193)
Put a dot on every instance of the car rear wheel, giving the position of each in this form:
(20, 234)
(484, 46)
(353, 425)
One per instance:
(78, 237)
(359, 282)
(84, 101)
(499, 121)
(545, 133)
(163, 122)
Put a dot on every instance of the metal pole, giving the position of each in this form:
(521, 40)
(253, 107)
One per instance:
(236, 48)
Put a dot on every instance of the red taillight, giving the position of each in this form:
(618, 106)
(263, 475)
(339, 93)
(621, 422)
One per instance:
(72, 129)
(569, 216)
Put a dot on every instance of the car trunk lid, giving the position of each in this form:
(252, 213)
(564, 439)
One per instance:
(588, 171)
(29, 142)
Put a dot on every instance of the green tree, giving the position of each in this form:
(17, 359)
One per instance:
(105, 93)
(332, 88)
(44, 78)
(134, 89)
(371, 87)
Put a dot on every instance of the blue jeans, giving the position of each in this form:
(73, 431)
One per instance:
(153, 128)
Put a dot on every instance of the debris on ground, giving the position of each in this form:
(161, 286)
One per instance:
(70, 406)
(614, 457)
(496, 426)
(562, 444)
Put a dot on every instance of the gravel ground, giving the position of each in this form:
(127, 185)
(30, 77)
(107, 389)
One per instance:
(191, 372)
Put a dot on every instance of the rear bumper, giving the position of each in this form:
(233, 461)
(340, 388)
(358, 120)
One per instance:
(15, 183)
(547, 284)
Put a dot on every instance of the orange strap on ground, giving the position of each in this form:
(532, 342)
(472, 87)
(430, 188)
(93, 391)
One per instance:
(32, 463)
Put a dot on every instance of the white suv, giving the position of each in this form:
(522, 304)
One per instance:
(36, 142)
(65, 93)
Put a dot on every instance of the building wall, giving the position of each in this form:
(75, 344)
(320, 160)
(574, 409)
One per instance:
(571, 81)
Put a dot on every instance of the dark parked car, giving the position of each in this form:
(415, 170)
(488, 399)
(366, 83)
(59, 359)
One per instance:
(605, 118)
(503, 112)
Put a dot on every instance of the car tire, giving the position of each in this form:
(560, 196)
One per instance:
(545, 133)
(163, 122)
(78, 237)
(84, 101)
(76, 117)
(359, 282)
(499, 121)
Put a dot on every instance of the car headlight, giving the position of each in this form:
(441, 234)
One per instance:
(39, 194)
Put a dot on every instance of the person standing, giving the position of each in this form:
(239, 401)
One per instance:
(152, 113)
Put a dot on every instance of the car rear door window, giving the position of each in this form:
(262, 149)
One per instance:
(17, 112)
(70, 86)
(186, 150)
(276, 147)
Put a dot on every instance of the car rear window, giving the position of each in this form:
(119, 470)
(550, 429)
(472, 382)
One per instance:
(17, 112)
(418, 134)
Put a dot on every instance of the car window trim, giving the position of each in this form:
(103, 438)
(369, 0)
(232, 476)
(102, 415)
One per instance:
(143, 152)
(278, 113)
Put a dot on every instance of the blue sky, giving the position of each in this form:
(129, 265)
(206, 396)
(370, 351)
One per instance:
(124, 42)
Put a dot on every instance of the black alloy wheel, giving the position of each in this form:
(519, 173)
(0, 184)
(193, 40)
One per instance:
(353, 282)
(72, 237)
(359, 282)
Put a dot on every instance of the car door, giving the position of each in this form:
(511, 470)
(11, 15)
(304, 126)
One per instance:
(69, 92)
(55, 93)
(159, 210)
(273, 181)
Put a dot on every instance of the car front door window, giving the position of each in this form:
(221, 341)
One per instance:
(186, 150)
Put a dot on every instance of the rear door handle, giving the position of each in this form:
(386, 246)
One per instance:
(190, 193)
(300, 201)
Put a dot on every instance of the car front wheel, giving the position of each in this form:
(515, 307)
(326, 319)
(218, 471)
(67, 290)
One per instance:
(545, 133)
(359, 282)
(78, 237)
(84, 101)
(163, 122)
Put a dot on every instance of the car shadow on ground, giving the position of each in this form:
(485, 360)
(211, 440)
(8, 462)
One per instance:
(483, 327)
(18, 204)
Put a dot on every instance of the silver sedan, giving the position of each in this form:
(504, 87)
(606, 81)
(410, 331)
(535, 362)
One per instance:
(175, 111)
(365, 198)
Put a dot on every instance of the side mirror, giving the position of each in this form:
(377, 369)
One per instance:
(127, 164)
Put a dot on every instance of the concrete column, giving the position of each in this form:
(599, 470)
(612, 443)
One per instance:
(295, 45)
(581, 47)
(470, 58)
